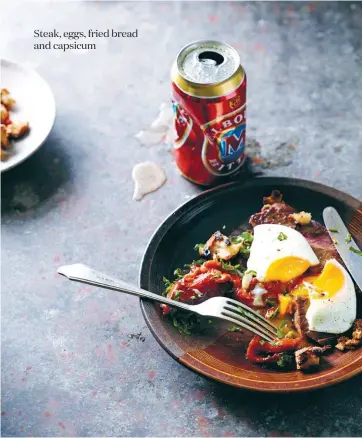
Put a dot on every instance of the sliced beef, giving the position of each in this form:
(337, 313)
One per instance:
(277, 213)
(320, 241)
(308, 358)
(301, 324)
(300, 320)
(322, 338)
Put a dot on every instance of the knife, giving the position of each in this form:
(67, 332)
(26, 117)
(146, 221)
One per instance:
(353, 261)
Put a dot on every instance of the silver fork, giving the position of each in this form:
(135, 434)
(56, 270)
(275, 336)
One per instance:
(217, 307)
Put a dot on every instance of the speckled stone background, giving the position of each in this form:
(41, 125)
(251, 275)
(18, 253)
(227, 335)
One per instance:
(79, 361)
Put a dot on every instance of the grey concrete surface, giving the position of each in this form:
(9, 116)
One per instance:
(79, 361)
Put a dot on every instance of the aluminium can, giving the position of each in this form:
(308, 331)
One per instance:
(209, 102)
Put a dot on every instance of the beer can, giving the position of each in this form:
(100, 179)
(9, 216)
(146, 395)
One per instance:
(209, 102)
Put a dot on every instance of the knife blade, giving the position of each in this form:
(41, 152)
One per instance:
(353, 262)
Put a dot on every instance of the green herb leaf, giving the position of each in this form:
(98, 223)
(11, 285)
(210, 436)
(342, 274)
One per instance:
(228, 266)
(281, 326)
(183, 325)
(195, 262)
(273, 314)
(348, 238)
(209, 321)
(290, 335)
(285, 360)
(271, 302)
(199, 246)
(168, 285)
(234, 329)
(250, 271)
(245, 238)
(241, 310)
(274, 343)
(236, 239)
(234, 269)
(333, 230)
(176, 295)
(356, 251)
(178, 273)
(166, 282)
(282, 236)
(261, 342)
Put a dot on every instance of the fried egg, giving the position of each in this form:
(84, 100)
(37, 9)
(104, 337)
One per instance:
(279, 253)
(332, 297)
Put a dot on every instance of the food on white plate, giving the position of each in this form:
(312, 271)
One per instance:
(9, 129)
(286, 267)
(6, 100)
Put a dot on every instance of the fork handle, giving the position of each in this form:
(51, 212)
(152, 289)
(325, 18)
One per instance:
(84, 274)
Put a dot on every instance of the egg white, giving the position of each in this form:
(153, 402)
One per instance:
(268, 248)
(334, 314)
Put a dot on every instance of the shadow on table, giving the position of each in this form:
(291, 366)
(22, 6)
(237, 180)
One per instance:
(294, 411)
(27, 187)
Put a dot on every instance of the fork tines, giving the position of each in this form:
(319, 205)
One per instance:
(249, 319)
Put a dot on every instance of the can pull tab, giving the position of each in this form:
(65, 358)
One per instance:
(210, 58)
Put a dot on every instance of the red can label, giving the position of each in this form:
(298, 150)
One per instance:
(210, 134)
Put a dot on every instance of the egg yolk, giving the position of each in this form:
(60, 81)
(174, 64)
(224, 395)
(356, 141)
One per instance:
(323, 286)
(286, 269)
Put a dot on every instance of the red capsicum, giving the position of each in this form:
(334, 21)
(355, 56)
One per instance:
(260, 351)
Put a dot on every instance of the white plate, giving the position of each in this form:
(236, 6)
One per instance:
(34, 103)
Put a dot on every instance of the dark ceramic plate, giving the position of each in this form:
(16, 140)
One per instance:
(220, 354)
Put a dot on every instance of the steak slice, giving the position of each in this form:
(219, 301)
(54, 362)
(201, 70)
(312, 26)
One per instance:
(300, 320)
(274, 211)
(308, 358)
(301, 324)
(322, 338)
(277, 213)
(320, 241)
